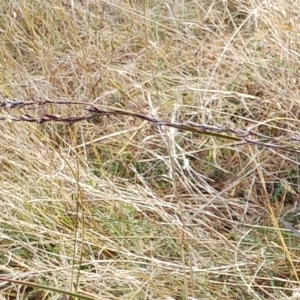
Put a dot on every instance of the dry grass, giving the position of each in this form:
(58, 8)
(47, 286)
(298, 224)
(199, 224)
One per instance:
(119, 209)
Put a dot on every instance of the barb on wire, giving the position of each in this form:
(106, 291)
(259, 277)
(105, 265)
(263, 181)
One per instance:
(289, 227)
(237, 135)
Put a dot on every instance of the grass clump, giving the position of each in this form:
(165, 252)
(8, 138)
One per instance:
(118, 208)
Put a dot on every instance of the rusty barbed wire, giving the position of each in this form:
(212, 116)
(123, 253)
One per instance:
(225, 132)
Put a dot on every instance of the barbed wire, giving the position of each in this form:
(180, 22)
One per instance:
(92, 111)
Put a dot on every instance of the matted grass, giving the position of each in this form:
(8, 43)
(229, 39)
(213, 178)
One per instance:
(120, 209)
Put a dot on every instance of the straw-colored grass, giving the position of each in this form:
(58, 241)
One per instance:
(120, 209)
